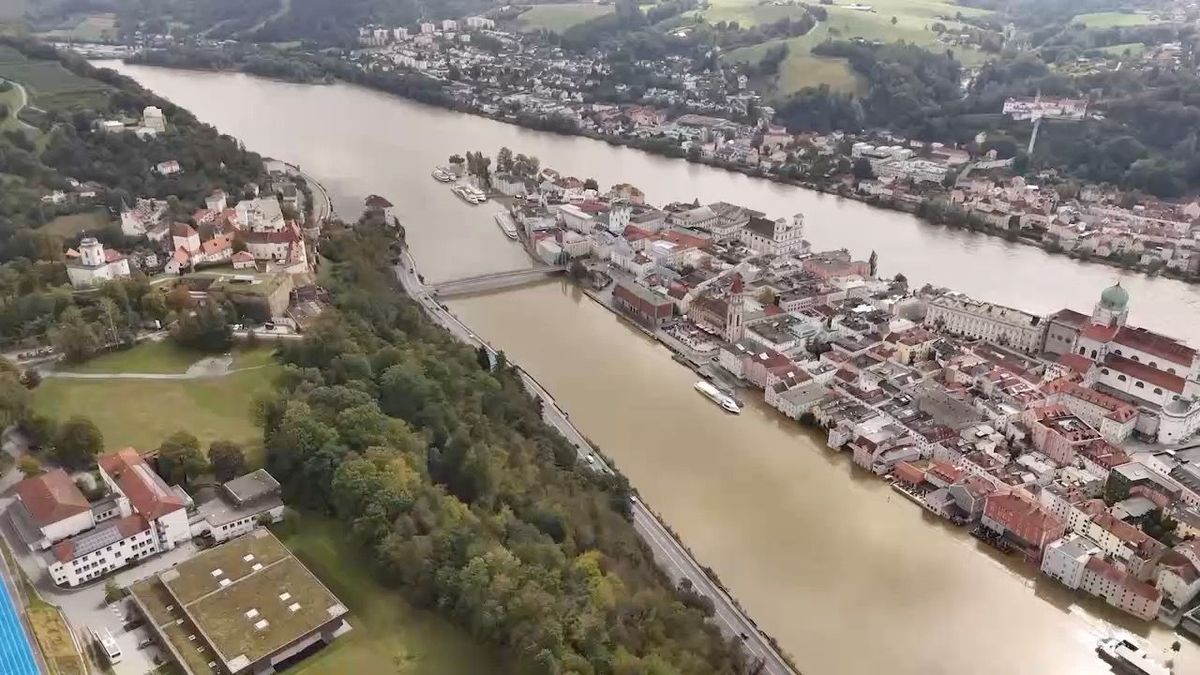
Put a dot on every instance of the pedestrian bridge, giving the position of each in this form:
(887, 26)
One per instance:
(493, 281)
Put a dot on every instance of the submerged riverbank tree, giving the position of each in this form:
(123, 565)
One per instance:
(446, 473)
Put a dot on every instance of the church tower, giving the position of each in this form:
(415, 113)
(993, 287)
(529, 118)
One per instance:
(1113, 308)
(735, 315)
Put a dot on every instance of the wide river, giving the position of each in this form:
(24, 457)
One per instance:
(847, 575)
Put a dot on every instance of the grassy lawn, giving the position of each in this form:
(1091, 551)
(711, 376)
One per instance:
(558, 18)
(801, 69)
(141, 413)
(163, 356)
(389, 635)
(1111, 19)
(72, 224)
(50, 630)
(49, 84)
(1135, 50)
(90, 28)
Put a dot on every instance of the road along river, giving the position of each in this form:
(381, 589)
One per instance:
(847, 575)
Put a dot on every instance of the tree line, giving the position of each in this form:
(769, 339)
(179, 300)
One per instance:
(441, 466)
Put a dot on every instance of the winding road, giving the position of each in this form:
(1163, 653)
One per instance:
(670, 553)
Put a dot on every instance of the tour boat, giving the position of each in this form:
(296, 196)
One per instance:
(713, 394)
(464, 193)
(506, 224)
(1127, 658)
(442, 176)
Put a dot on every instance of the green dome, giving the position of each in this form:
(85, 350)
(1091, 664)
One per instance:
(1115, 298)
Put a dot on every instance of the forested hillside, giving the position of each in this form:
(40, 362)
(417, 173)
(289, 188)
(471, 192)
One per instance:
(471, 503)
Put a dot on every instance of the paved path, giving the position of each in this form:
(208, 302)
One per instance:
(670, 553)
(147, 376)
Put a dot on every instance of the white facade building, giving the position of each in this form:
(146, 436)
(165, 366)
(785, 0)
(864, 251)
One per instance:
(775, 237)
(50, 508)
(1065, 559)
(96, 264)
(960, 315)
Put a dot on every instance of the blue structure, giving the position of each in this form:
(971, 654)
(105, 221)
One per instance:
(16, 654)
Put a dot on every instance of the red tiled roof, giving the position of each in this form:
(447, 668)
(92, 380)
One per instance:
(51, 497)
(1104, 453)
(1120, 529)
(1069, 317)
(111, 256)
(1076, 362)
(183, 230)
(242, 256)
(1119, 576)
(1025, 520)
(946, 471)
(1158, 345)
(1100, 333)
(1141, 371)
(216, 244)
(634, 233)
(147, 492)
(1117, 409)
(909, 473)
(285, 236)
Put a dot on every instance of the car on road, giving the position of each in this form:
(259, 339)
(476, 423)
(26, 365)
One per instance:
(145, 643)
(633, 498)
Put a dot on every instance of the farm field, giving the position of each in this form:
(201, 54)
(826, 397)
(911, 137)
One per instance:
(49, 84)
(1112, 19)
(558, 18)
(89, 28)
(802, 69)
(69, 225)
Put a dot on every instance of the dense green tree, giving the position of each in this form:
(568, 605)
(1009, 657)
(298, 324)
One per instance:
(78, 442)
(228, 460)
(180, 458)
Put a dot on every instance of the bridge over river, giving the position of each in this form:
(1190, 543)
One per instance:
(493, 281)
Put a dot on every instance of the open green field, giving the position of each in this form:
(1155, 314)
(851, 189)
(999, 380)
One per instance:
(801, 69)
(558, 18)
(72, 224)
(389, 635)
(1135, 50)
(163, 356)
(1112, 19)
(141, 413)
(90, 28)
(49, 84)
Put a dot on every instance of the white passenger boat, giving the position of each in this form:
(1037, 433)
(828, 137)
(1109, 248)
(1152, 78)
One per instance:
(1127, 658)
(442, 176)
(713, 394)
(506, 224)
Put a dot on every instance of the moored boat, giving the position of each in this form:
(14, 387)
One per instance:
(716, 396)
(1126, 657)
(507, 225)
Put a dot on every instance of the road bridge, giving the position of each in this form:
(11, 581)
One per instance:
(493, 281)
